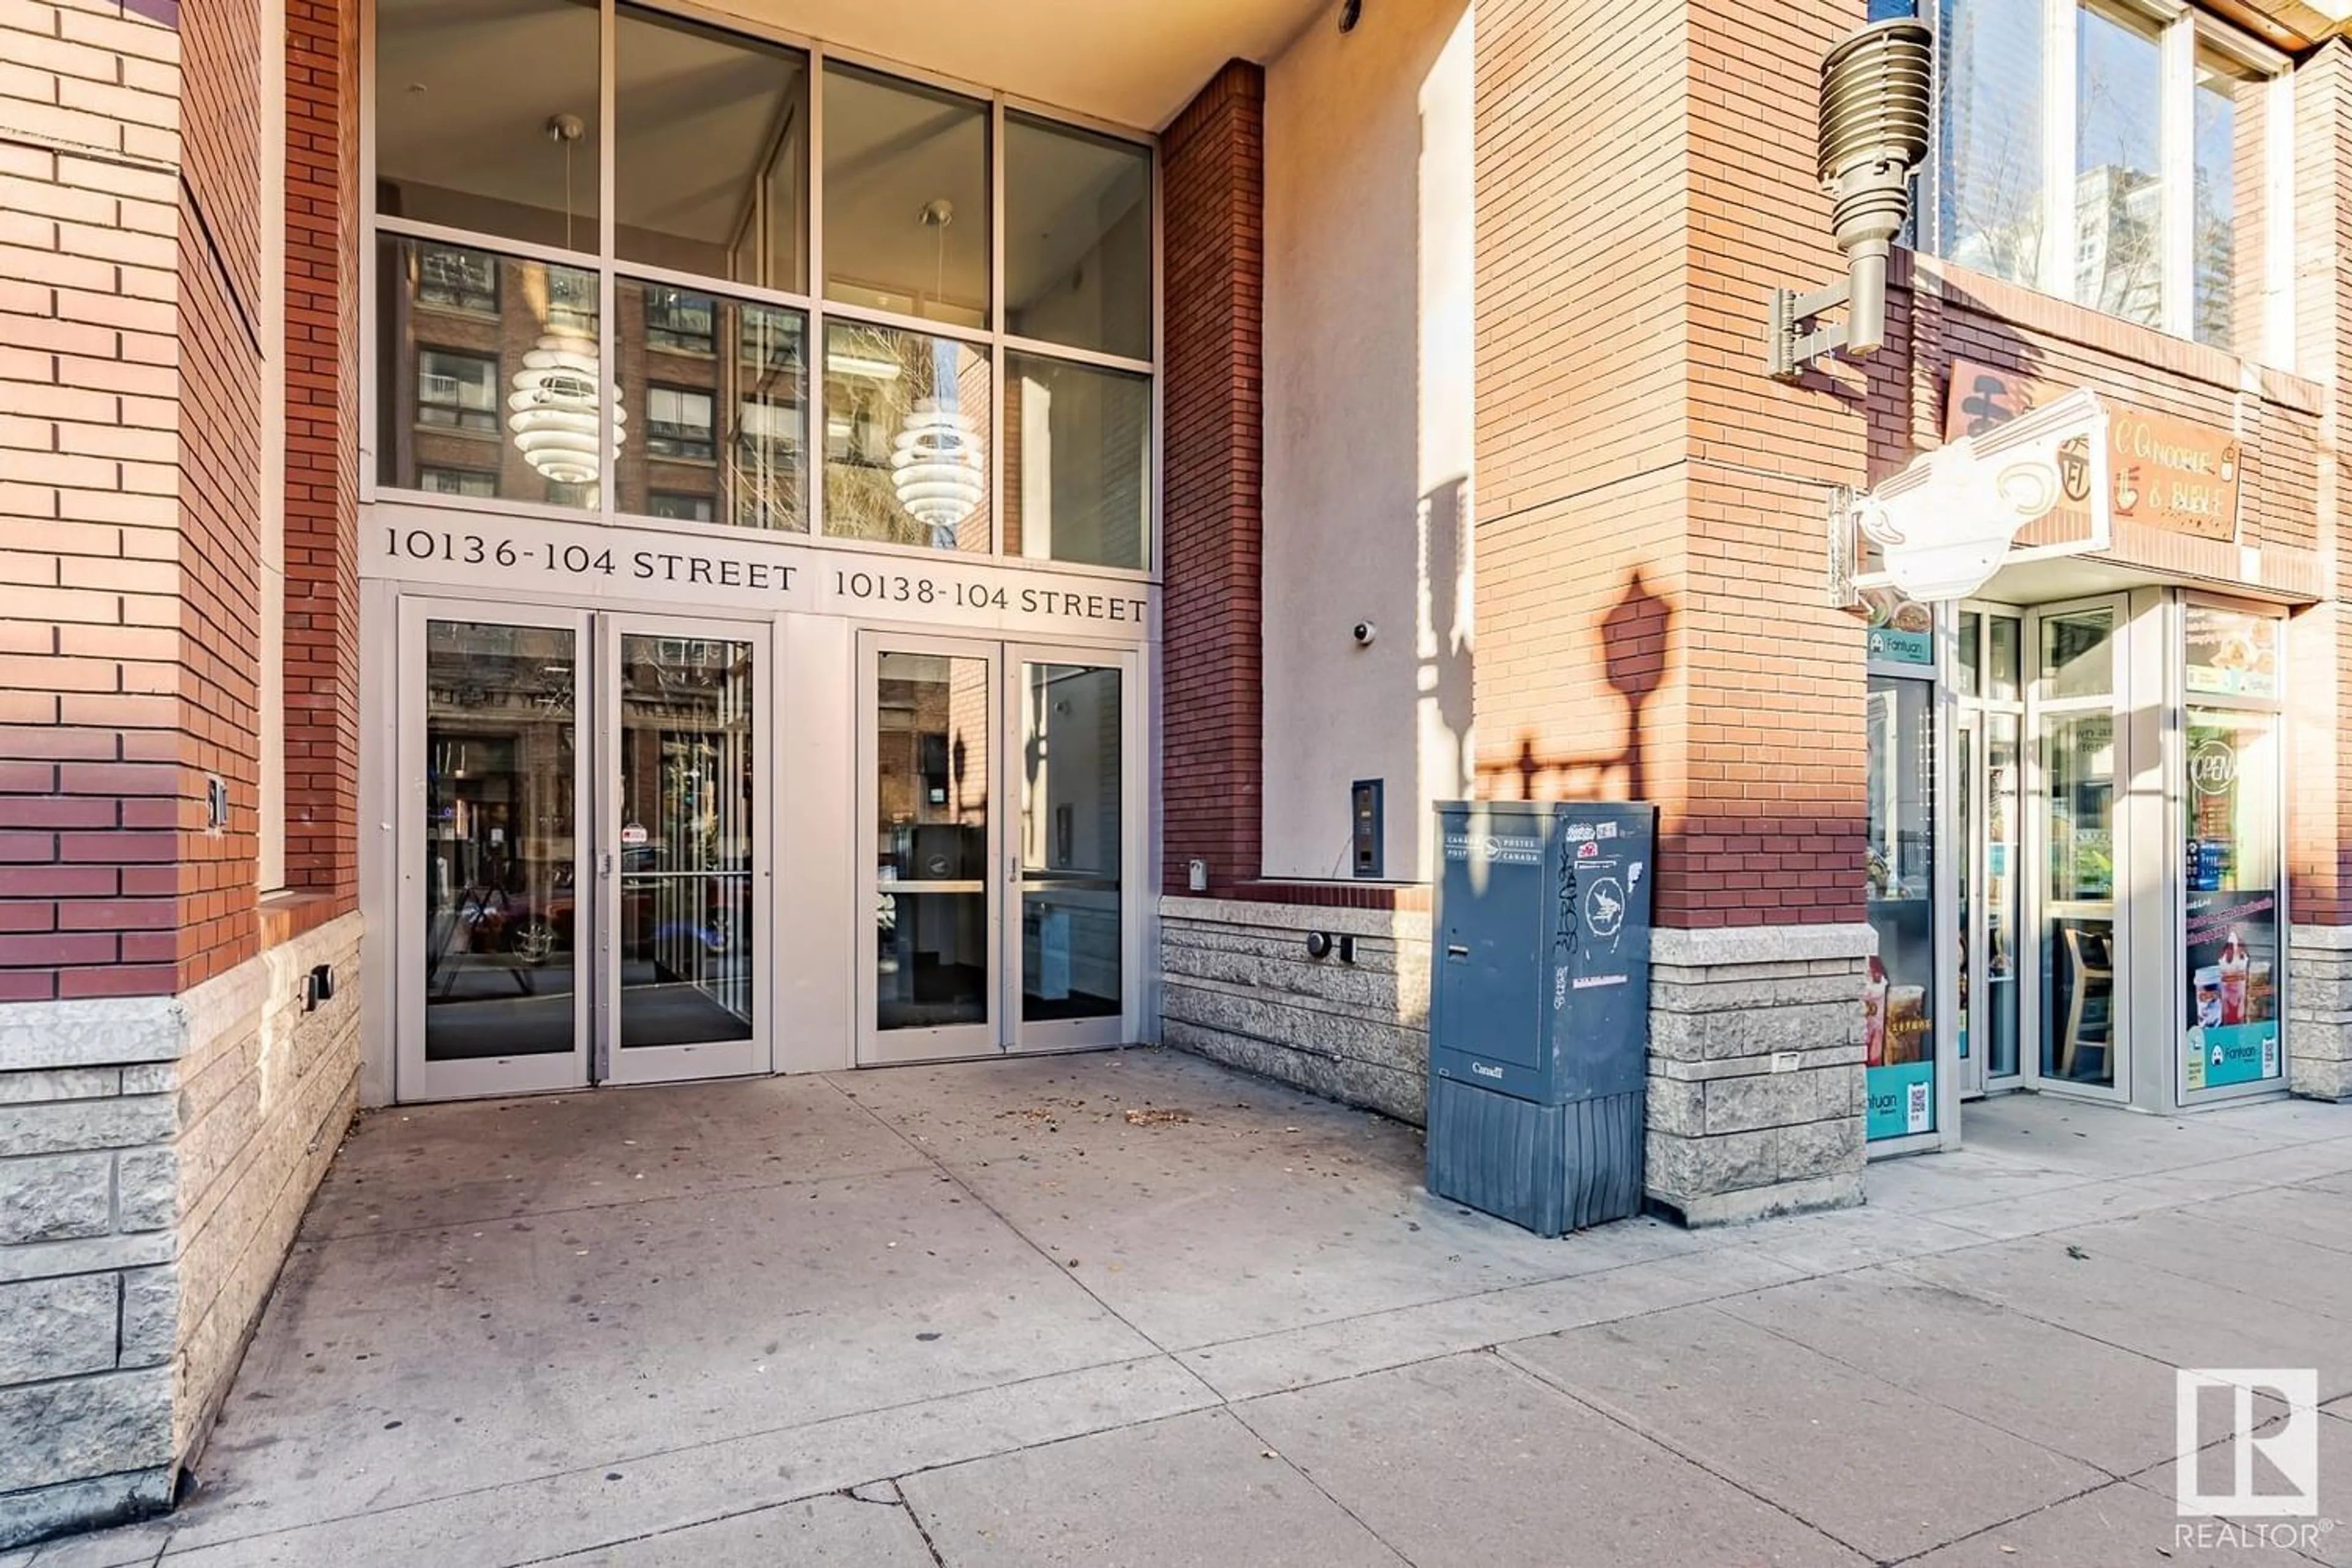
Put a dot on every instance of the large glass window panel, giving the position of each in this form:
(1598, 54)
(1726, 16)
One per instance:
(906, 437)
(500, 796)
(687, 750)
(1070, 842)
(1990, 182)
(2229, 931)
(485, 117)
(1899, 994)
(723, 387)
(1077, 237)
(489, 365)
(2118, 185)
(710, 152)
(931, 772)
(906, 198)
(2079, 1037)
(1077, 462)
(2226, 207)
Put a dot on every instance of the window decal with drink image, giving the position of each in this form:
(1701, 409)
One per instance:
(2229, 1030)
(2233, 960)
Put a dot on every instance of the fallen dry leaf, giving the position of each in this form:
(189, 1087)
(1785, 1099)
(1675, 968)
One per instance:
(1149, 1117)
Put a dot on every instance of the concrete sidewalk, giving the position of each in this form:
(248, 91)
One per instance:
(1136, 1310)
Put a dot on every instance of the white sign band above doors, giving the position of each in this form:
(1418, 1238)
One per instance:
(482, 551)
(1946, 523)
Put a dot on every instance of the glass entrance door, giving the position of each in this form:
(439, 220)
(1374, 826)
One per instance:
(683, 869)
(927, 773)
(493, 860)
(1073, 927)
(583, 866)
(2079, 740)
(998, 843)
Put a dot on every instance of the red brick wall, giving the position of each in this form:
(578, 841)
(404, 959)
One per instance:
(1213, 163)
(129, 511)
(1651, 623)
(1581, 366)
(323, 418)
(217, 718)
(98, 767)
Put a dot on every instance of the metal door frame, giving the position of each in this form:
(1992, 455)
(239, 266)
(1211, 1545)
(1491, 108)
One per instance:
(1076, 1034)
(2035, 841)
(415, 1078)
(874, 1046)
(2173, 975)
(1977, 710)
(724, 1058)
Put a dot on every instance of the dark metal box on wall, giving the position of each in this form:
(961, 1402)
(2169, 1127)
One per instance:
(1540, 1009)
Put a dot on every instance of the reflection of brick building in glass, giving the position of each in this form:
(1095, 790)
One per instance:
(710, 418)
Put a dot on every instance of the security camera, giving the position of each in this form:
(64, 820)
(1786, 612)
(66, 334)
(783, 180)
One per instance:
(1363, 632)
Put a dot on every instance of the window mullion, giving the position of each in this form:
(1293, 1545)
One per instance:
(2177, 158)
(816, 444)
(994, 423)
(2060, 41)
(608, 302)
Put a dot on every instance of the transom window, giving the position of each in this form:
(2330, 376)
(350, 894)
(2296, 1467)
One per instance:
(2132, 157)
(978, 278)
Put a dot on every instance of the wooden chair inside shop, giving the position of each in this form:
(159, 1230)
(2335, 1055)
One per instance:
(2090, 1002)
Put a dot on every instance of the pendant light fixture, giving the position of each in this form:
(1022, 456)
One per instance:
(555, 409)
(938, 466)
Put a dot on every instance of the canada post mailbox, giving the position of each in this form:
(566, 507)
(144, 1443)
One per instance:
(1540, 1009)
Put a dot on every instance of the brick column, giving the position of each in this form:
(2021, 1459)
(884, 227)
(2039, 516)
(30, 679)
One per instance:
(170, 1091)
(2318, 1022)
(323, 421)
(1213, 225)
(1650, 550)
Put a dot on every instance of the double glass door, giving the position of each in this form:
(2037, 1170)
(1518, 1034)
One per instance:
(995, 840)
(585, 869)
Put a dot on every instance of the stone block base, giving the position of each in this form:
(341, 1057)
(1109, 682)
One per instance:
(1756, 1096)
(156, 1154)
(2319, 1012)
(1238, 986)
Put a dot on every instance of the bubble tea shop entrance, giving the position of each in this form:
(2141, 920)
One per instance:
(2074, 852)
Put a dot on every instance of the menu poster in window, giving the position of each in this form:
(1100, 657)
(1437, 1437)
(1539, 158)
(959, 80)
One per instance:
(2231, 1033)
(2230, 653)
